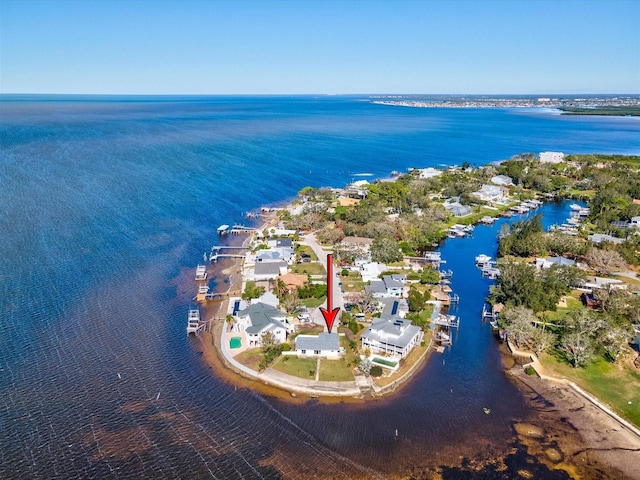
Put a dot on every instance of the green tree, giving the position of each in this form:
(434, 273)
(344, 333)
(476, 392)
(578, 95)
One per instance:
(230, 319)
(385, 250)
(251, 290)
(271, 349)
(580, 336)
(415, 300)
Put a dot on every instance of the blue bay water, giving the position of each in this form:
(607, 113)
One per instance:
(107, 204)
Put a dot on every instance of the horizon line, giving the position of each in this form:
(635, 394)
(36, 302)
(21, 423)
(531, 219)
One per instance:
(637, 94)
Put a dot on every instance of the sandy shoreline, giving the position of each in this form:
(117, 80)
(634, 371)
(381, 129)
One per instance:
(590, 443)
(566, 432)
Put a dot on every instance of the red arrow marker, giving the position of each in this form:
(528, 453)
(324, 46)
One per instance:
(328, 313)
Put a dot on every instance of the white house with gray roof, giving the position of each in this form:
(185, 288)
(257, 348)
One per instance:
(269, 270)
(457, 209)
(276, 254)
(429, 172)
(395, 306)
(392, 335)
(490, 193)
(326, 345)
(503, 180)
(389, 286)
(259, 318)
(604, 237)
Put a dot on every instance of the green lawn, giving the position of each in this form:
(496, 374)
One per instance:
(313, 302)
(573, 303)
(614, 384)
(350, 356)
(298, 367)
(352, 283)
(300, 249)
(335, 371)
(310, 268)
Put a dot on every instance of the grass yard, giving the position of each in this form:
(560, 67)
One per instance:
(352, 283)
(335, 371)
(409, 361)
(351, 357)
(300, 249)
(250, 358)
(310, 268)
(309, 329)
(312, 302)
(616, 384)
(572, 304)
(298, 367)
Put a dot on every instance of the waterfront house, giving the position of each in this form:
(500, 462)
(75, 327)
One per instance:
(551, 157)
(392, 336)
(257, 319)
(358, 189)
(324, 345)
(502, 180)
(395, 307)
(429, 172)
(490, 193)
(551, 261)
(280, 242)
(389, 286)
(276, 254)
(269, 270)
(457, 209)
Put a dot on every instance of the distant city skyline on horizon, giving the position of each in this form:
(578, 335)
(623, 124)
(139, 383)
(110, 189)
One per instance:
(464, 47)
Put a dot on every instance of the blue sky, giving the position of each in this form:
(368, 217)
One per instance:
(307, 46)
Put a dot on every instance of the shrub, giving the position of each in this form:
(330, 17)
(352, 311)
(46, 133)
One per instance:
(286, 347)
(529, 370)
(376, 371)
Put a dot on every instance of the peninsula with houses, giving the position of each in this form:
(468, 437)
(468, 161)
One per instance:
(393, 288)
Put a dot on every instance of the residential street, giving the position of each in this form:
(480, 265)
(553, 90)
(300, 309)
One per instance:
(338, 300)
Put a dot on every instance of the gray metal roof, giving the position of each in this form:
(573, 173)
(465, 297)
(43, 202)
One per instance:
(603, 237)
(269, 268)
(391, 330)
(394, 305)
(324, 341)
(376, 286)
(262, 315)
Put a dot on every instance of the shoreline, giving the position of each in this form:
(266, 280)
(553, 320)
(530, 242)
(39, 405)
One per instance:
(575, 434)
(584, 436)
(570, 430)
(272, 382)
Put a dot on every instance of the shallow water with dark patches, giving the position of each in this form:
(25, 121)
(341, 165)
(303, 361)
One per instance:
(106, 206)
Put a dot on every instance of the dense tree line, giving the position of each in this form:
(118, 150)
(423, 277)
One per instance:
(522, 284)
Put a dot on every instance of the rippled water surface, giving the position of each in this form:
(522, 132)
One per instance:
(106, 205)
